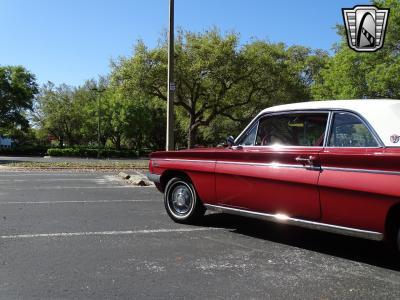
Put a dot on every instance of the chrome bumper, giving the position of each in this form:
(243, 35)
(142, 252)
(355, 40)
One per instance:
(153, 177)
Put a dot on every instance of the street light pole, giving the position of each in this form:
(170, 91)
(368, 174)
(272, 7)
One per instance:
(171, 85)
(98, 126)
(99, 93)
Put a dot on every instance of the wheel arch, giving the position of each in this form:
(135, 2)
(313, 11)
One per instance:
(169, 174)
(392, 222)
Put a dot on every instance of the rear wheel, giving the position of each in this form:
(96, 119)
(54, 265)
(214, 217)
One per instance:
(181, 201)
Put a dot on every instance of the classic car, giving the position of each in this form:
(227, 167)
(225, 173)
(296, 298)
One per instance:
(327, 165)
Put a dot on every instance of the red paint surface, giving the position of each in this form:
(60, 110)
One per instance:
(345, 198)
(290, 191)
(355, 199)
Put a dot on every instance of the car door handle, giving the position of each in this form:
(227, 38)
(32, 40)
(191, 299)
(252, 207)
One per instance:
(304, 160)
(307, 162)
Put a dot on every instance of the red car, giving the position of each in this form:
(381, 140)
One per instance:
(327, 165)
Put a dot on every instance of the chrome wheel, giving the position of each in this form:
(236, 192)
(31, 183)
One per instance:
(181, 202)
(180, 199)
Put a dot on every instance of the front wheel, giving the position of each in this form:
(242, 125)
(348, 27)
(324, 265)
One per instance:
(181, 201)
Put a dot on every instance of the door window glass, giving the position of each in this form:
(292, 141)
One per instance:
(349, 131)
(302, 129)
(248, 139)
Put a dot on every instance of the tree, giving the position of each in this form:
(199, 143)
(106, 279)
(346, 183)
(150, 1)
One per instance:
(17, 90)
(349, 74)
(60, 114)
(126, 120)
(138, 119)
(215, 77)
(87, 98)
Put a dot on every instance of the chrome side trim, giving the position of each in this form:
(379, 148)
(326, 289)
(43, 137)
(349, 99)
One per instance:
(361, 171)
(153, 177)
(279, 218)
(185, 160)
(279, 147)
(272, 165)
(328, 129)
(279, 165)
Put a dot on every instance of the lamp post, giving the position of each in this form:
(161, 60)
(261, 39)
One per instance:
(98, 118)
(171, 84)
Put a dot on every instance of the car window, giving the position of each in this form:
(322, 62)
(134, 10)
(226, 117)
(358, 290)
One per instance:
(348, 130)
(299, 129)
(248, 139)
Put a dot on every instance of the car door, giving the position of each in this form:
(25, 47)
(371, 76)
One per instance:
(356, 184)
(274, 168)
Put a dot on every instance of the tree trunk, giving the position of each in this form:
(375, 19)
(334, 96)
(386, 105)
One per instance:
(191, 137)
(103, 142)
(61, 142)
(139, 142)
(117, 143)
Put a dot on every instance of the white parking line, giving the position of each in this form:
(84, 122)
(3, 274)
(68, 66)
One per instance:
(127, 232)
(76, 201)
(71, 187)
(13, 174)
(93, 179)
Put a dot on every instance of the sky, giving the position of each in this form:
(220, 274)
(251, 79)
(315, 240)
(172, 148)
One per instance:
(70, 41)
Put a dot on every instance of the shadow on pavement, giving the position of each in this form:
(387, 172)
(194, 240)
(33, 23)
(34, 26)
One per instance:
(374, 253)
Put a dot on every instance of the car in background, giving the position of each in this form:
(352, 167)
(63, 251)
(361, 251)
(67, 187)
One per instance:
(326, 165)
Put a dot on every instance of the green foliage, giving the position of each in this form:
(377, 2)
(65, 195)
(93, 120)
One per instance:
(351, 75)
(218, 80)
(71, 116)
(130, 118)
(220, 83)
(60, 113)
(17, 91)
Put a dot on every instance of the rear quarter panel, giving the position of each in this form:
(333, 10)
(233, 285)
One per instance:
(356, 186)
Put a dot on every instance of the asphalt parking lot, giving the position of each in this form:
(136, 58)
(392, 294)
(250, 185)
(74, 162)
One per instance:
(67, 235)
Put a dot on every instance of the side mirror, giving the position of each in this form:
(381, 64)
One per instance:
(230, 141)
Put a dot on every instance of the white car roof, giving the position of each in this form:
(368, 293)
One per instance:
(354, 105)
(382, 115)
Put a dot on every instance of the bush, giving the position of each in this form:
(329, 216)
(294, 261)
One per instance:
(90, 152)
